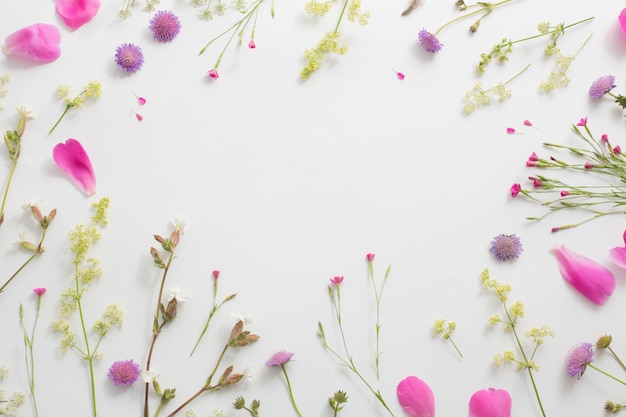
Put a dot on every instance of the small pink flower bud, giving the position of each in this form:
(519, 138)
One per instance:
(213, 74)
(400, 76)
(527, 123)
(510, 130)
(537, 183)
(337, 280)
(617, 150)
(530, 163)
(533, 157)
(216, 274)
(605, 138)
(370, 257)
(564, 193)
(582, 122)
(39, 291)
(251, 44)
(588, 165)
(515, 189)
(139, 117)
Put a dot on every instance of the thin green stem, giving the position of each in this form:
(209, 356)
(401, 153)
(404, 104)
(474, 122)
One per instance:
(449, 337)
(67, 108)
(39, 251)
(8, 185)
(293, 400)
(616, 358)
(485, 9)
(343, 11)
(605, 373)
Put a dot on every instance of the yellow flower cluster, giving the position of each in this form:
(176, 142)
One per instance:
(315, 56)
(319, 8)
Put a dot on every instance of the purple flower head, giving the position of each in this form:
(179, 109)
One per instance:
(279, 358)
(124, 373)
(578, 358)
(128, 57)
(164, 26)
(601, 86)
(506, 247)
(429, 41)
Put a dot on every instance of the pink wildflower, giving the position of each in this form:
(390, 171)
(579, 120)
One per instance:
(510, 130)
(76, 13)
(216, 274)
(582, 122)
(605, 138)
(337, 280)
(251, 44)
(370, 257)
(617, 150)
(527, 123)
(564, 193)
(279, 358)
(416, 397)
(588, 165)
(515, 189)
(39, 291)
(214, 74)
(586, 276)
(618, 254)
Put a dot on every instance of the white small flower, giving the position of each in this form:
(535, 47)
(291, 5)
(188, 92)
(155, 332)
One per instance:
(248, 372)
(179, 224)
(27, 114)
(242, 317)
(30, 204)
(148, 377)
(217, 413)
(176, 293)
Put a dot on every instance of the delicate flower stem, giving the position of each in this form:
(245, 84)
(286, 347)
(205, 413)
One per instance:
(449, 337)
(377, 327)
(8, 185)
(343, 11)
(293, 400)
(38, 252)
(67, 108)
(605, 373)
(29, 341)
(487, 8)
(616, 358)
(156, 330)
(526, 362)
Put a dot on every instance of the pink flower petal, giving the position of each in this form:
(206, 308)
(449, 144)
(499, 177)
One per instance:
(622, 21)
(618, 254)
(37, 43)
(416, 397)
(76, 13)
(72, 158)
(490, 403)
(587, 276)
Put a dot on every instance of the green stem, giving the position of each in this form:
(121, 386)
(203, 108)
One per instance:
(493, 6)
(616, 358)
(606, 373)
(552, 31)
(293, 400)
(8, 185)
(343, 11)
(67, 108)
(39, 251)
(87, 354)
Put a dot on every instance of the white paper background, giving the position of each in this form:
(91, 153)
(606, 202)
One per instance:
(284, 184)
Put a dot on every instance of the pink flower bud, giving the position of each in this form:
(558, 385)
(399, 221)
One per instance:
(527, 123)
(400, 76)
(515, 189)
(564, 193)
(251, 44)
(39, 291)
(510, 130)
(216, 274)
(337, 280)
(588, 165)
(582, 122)
(617, 150)
(533, 157)
(213, 74)
(370, 257)
(605, 138)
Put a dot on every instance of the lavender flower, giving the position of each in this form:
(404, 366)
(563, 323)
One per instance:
(601, 86)
(128, 57)
(279, 358)
(124, 373)
(578, 358)
(164, 26)
(429, 41)
(506, 247)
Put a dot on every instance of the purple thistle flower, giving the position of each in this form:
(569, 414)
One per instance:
(506, 247)
(279, 358)
(124, 373)
(128, 57)
(578, 358)
(429, 41)
(164, 26)
(601, 86)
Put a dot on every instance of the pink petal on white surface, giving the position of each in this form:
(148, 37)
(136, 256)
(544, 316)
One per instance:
(490, 403)
(37, 43)
(416, 397)
(72, 158)
(76, 13)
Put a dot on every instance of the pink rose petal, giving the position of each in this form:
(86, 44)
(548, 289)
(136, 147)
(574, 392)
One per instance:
(622, 21)
(490, 403)
(587, 276)
(416, 397)
(37, 43)
(76, 13)
(618, 254)
(72, 158)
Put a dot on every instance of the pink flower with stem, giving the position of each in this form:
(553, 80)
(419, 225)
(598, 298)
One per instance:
(490, 403)
(510, 130)
(588, 277)
(75, 13)
(398, 74)
(416, 397)
(281, 358)
(515, 189)
(582, 122)
(73, 160)
(36, 43)
(337, 280)
(137, 115)
(370, 257)
(140, 100)
(39, 291)
(216, 274)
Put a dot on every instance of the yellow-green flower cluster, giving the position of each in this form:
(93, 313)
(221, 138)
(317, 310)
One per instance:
(355, 14)
(315, 56)
(112, 316)
(444, 328)
(68, 339)
(318, 7)
(558, 77)
(478, 96)
(9, 405)
(92, 90)
(502, 290)
(538, 334)
(4, 80)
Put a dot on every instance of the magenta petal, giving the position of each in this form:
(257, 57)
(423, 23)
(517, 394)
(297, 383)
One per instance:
(72, 158)
(618, 256)
(38, 43)
(415, 397)
(76, 13)
(490, 403)
(622, 21)
(587, 276)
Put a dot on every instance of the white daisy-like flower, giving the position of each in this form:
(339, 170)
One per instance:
(148, 377)
(248, 372)
(242, 317)
(179, 224)
(176, 293)
(27, 114)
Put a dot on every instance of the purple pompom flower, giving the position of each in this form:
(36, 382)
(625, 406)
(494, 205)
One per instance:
(506, 247)
(429, 41)
(578, 358)
(129, 57)
(164, 26)
(601, 86)
(124, 373)
(279, 358)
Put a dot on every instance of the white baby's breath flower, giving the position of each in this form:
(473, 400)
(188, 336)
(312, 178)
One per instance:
(242, 317)
(176, 293)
